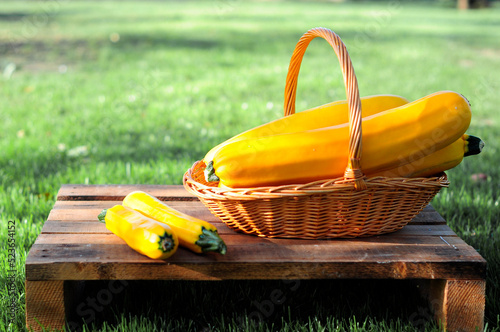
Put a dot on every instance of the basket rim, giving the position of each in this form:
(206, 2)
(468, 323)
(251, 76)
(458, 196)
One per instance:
(324, 186)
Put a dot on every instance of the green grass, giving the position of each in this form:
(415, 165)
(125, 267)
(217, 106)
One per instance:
(77, 107)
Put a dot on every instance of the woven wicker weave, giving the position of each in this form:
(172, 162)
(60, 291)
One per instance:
(352, 206)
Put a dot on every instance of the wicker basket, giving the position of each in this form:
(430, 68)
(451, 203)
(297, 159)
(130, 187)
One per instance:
(352, 206)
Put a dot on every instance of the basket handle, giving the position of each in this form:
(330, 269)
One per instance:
(353, 170)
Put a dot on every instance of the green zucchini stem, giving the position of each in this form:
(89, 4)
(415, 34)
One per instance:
(209, 172)
(102, 216)
(211, 241)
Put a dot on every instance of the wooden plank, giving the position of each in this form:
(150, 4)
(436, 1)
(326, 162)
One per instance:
(106, 237)
(61, 230)
(103, 196)
(72, 227)
(131, 270)
(427, 217)
(463, 4)
(171, 193)
(83, 204)
(88, 227)
(458, 305)
(88, 211)
(386, 260)
(110, 248)
(90, 215)
(118, 192)
(410, 234)
(464, 305)
(45, 304)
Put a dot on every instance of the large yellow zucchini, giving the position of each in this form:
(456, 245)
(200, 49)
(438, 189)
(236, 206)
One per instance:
(327, 115)
(390, 139)
(439, 161)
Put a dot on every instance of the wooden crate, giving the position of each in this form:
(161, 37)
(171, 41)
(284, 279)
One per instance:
(73, 247)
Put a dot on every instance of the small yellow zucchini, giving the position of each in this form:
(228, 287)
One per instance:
(194, 234)
(147, 236)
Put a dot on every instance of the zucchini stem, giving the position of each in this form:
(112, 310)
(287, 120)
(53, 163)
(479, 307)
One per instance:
(211, 241)
(102, 216)
(474, 145)
(166, 243)
(209, 172)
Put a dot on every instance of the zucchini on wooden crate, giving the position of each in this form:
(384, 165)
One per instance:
(145, 235)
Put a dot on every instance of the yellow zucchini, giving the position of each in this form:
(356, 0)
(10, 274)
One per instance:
(389, 139)
(327, 115)
(439, 161)
(195, 234)
(145, 235)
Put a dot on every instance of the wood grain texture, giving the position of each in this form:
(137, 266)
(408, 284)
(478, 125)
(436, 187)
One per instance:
(74, 245)
(45, 304)
(414, 252)
(458, 304)
(464, 305)
(427, 217)
(118, 192)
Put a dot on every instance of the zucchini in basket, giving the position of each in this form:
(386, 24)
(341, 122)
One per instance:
(331, 114)
(390, 139)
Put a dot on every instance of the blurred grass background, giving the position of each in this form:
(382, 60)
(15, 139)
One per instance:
(136, 91)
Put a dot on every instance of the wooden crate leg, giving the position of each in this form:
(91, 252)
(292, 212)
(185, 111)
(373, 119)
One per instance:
(458, 304)
(45, 304)
(463, 4)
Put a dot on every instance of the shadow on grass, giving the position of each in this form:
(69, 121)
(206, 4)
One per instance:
(14, 16)
(276, 304)
(127, 42)
(87, 49)
(28, 167)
